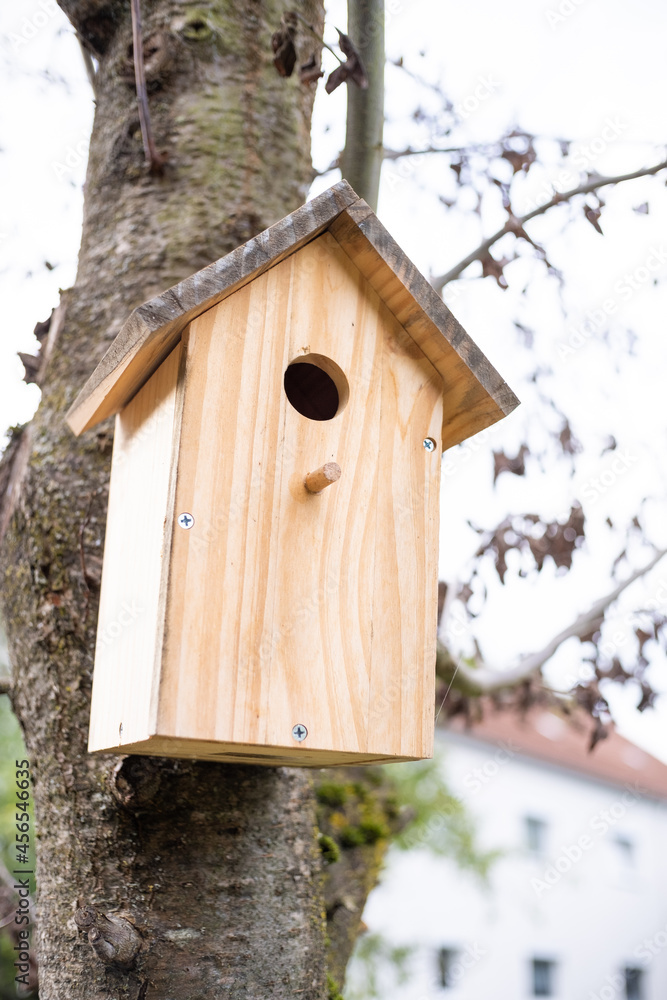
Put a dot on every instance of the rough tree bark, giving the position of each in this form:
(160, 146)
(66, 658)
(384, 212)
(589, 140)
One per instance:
(218, 867)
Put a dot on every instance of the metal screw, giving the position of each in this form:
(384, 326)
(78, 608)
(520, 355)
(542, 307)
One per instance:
(429, 444)
(186, 520)
(299, 732)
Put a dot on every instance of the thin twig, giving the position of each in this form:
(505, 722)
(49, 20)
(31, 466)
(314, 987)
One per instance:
(447, 692)
(318, 37)
(88, 63)
(153, 159)
(514, 224)
(485, 680)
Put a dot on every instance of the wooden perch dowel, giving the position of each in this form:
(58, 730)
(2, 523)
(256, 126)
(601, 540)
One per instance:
(322, 477)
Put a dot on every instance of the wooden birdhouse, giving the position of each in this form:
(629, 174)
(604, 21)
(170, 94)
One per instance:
(269, 587)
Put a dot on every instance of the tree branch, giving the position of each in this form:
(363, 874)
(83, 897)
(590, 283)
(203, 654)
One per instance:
(154, 161)
(398, 154)
(361, 160)
(515, 223)
(486, 680)
(88, 63)
(317, 35)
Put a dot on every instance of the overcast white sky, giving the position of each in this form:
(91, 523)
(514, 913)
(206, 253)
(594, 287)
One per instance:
(594, 75)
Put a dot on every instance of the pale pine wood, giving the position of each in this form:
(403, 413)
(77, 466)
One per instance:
(402, 688)
(476, 396)
(276, 607)
(318, 480)
(280, 605)
(136, 540)
(243, 452)
(153, 328)
(250, 753)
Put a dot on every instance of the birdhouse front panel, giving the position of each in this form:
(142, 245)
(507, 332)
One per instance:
(284, 606)
(269, 587)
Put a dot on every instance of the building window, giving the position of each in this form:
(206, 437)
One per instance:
(626, 850)
(536, 835)
(446, 960)
(543, 977)
(634, 983)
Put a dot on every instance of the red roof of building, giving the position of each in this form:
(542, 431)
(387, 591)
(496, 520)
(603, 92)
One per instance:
(544, 734)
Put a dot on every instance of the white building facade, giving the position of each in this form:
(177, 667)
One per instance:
(576, 907)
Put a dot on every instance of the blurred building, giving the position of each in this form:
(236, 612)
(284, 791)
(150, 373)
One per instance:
(576, 908)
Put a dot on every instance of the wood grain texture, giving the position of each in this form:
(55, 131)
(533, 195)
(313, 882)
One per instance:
(136, 541)
(251, 753)
(402, 688)
(475, 394)
(153, 328)
(283, 606)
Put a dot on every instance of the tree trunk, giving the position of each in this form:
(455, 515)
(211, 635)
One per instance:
(361, 161)
(217, 866)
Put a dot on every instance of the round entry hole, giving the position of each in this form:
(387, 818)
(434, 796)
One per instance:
(316, 387)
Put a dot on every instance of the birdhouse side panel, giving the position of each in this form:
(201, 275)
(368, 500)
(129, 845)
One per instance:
(402, 683)
(137, 533)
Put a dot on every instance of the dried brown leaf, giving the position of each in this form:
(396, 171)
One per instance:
(600, 732)
(593, 214)
(648, 697)
(520, 161)
(568, 442)
(492, 268)
(516, 465)
(283, 44)
(352, 69)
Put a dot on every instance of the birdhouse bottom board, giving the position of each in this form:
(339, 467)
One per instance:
(244, 617)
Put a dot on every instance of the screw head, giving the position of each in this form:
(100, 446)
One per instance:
(186, 520)
(299, 732)
(429, 444)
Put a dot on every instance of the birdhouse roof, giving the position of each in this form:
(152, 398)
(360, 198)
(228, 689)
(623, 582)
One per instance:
(475, 395)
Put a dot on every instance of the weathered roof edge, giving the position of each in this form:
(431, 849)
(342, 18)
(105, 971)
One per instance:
(470, 403)
(153, 329)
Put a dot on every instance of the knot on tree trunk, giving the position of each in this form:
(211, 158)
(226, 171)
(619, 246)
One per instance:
(114, 939)
(135, 781)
